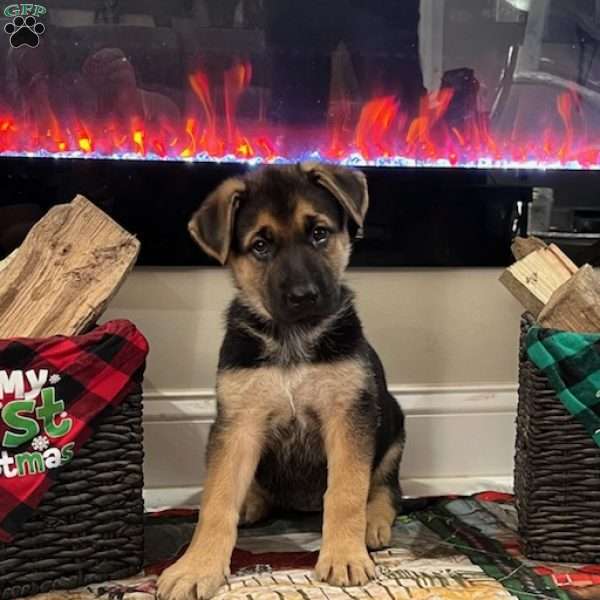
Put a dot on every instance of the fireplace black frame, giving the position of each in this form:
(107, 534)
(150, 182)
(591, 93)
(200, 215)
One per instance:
(418, 217)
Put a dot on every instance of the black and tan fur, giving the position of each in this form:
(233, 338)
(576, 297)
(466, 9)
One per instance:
(304, 419)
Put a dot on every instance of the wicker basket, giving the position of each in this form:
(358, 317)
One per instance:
(89, 525)
(557, 473)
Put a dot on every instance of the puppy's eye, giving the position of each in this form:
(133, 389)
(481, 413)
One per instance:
(260, 248)
(320, 235)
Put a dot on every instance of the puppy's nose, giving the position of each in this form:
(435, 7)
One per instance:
(301, 296)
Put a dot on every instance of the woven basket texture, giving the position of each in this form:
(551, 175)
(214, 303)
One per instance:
(89, 526)
(557, 472)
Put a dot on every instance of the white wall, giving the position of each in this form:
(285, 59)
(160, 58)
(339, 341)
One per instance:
(448, 340)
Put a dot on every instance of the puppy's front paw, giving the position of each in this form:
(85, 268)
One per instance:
(379, 532)
(344, 567)
(255, 509)
(190, 579)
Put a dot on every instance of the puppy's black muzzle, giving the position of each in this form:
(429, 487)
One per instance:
(301, 287)
(301, 301)
(301, 297)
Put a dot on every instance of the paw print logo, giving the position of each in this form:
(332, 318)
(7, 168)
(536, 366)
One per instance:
(24, 32)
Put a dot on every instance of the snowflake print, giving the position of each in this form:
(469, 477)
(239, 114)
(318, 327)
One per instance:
(40, 443)
(54, 379)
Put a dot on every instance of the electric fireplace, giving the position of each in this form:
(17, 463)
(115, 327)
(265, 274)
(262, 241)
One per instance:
(457, 109)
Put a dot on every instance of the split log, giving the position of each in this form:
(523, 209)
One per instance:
(575, 305)
(5, 261)
(533, 279)
(521, 246)
(70, 265)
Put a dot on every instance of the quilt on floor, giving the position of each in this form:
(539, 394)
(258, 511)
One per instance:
(445, 548)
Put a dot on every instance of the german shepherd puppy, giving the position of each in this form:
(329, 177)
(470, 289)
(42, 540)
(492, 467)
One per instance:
(304, 418)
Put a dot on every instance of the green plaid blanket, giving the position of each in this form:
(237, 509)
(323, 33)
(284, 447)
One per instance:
(571, 361)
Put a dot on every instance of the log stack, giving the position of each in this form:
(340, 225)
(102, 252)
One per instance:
(552, 288)
(62, 277)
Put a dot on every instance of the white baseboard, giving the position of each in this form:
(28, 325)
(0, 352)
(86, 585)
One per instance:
(189, 497)
(460, 439)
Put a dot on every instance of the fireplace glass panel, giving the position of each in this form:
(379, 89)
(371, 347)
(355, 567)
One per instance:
(429, 83)
(474, 120)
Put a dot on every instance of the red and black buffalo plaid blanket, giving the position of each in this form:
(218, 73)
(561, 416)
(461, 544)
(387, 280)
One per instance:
(51, 392)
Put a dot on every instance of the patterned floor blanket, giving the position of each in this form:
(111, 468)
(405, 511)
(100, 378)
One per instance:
(445, 548)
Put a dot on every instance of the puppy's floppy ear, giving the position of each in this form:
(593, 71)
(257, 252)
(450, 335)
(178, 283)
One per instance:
(349, 186)
(212, 224)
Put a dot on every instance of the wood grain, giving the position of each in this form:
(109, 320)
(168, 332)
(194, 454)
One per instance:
(4, 262)
(522, 246)
(62, 277)
(575, 305)
(533, 279)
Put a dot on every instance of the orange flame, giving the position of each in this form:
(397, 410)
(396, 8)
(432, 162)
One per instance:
(377, 129)
(566, 103)
(201, 87)
(432, 108)
(374, 123)
(235, 82)
(84, 139)
(138, 140)
(268, 151)
(85, 144)
(159, 148)
(191, 131)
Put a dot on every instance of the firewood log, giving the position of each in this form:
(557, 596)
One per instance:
(533, 279)
(522, 246)
(4, 262)
(68, 268)
(575, 305)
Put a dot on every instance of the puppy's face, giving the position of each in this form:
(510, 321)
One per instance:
(284, 233)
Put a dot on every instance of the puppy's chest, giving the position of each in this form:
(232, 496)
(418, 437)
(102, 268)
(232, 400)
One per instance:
(296, 401)
(300, 395)
(293, 464)
(295, 406)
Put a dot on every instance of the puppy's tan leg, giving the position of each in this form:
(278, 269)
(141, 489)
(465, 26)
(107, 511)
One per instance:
(257, 505)
(233, 454)
(344, 559)
(381, 515)
(384, 497)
